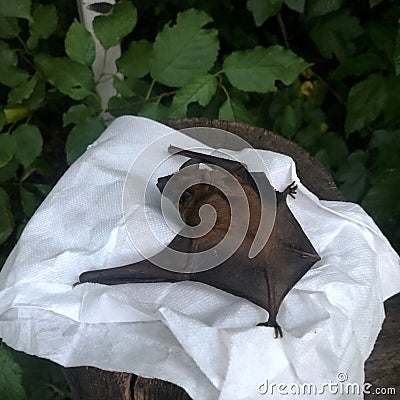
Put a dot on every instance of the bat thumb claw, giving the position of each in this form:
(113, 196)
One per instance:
(291, 190)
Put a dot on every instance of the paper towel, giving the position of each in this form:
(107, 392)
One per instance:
(196, 336)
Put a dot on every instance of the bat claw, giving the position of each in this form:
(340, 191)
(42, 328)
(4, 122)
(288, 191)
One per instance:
(278, 331)
(291, 190)
(277, 328)
(76, 284)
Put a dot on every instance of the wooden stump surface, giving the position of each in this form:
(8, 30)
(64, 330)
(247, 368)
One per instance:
(382, 367)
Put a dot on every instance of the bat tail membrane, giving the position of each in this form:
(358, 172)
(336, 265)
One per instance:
(140, 272)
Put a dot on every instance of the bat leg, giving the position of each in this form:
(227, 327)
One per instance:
(271, 302)
(275, 325)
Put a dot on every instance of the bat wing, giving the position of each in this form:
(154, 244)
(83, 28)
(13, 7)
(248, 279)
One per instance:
(140, 272)
(146, 271)
(240, 276)
(287, 256)
(267, 278)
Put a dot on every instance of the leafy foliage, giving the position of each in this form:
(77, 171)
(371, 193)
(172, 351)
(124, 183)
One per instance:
(325, 74)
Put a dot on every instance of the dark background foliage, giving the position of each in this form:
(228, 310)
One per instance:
(323, 73)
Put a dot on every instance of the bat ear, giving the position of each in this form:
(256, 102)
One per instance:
(161, 182)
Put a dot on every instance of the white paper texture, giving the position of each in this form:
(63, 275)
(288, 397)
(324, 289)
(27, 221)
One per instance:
(196, 336)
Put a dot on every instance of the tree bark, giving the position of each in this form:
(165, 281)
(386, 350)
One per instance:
(383, 366)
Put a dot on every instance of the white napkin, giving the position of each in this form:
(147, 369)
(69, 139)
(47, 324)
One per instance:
(196, 336)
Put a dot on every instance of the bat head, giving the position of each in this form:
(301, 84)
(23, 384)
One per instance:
(192, 195)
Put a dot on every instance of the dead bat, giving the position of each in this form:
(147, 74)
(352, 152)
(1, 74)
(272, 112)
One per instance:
(264, 279)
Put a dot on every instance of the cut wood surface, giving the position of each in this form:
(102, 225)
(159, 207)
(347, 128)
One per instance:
(382, 367)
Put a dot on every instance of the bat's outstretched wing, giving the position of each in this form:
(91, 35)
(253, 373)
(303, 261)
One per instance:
(140, 272)
(234, 167)
(288, 255)
(146, 271)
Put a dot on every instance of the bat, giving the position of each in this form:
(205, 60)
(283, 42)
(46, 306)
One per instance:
(264, 279)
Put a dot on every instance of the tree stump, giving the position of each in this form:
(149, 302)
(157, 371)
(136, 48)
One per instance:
(383, 366)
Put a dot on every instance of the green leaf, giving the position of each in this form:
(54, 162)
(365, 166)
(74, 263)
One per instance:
(79, 44)
(373, 3)
(81, 136)
(9, 27)
(200, 89)
(381, 201)
(263, 9)
(7, 56)
(10, 376)
(7, 148)
(10, 74)
(391, 109)
(383, 34)
(69, 77)
(322, 156)
(8, 171)
(39, 166)
(118, 106)
(296, 5)
(112, 28)
(77, 114)
(257, 70)
(354, 176)
(383, 138)
(317, 8)
(29, 143)
(2, 119)
(307, 137)
(289, 122)
(22, 92)
(29, 201)
(44, 23)
(184, 51)
(234, 110)
(336, 149)
(135, 62)
(334, 35)
(396, 55)
(125, 87)
(16, 8)
(365, 102)
(155, 111)
(37, 97)
(358, 65)
(6, 228)
(386, 148)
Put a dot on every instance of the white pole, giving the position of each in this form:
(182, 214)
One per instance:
(103, 65)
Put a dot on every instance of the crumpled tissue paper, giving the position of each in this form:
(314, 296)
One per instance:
(196, 336)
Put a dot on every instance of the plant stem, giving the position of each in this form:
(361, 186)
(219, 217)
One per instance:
(329, 87)
(283, 29)
(150, 90)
